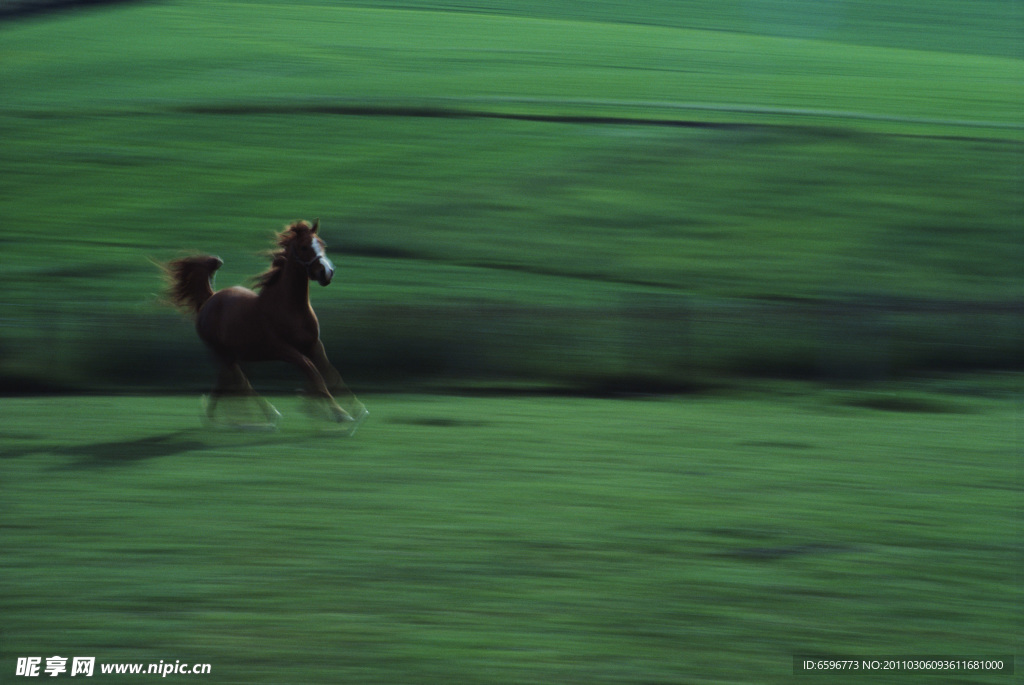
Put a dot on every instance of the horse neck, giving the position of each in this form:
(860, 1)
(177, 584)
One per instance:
(291, 287)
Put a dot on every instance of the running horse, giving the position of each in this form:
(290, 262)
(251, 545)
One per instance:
(276, 322)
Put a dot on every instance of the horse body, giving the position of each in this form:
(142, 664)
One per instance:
(225, 323)
(276, 323)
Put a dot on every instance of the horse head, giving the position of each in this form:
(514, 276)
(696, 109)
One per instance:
(308, 249)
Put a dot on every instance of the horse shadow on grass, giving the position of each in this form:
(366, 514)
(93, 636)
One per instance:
(127, 452)
(113, 452)
(120, 453)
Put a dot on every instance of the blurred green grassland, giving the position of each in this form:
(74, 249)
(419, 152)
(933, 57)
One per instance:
(530, 190)
(598, 196)
(516, 540)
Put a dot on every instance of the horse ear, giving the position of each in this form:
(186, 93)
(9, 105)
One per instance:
(316, 224)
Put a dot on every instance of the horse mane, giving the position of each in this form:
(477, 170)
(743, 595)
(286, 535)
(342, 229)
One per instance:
(279, 256)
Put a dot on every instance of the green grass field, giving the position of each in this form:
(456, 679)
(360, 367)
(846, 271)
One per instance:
(793, 227)
(529, 540)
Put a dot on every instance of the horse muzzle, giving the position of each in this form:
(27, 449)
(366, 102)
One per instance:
(324, 273)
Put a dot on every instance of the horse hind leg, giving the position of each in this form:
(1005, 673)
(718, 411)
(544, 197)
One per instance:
(270, 413)
(227, 380)
(232, 383)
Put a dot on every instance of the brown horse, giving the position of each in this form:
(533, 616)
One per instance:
(274, 323)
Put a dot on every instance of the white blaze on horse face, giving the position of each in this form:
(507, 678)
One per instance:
(328, 266)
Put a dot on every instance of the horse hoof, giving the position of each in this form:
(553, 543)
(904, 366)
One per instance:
(352, 423)
(206, 412)
(346, 424)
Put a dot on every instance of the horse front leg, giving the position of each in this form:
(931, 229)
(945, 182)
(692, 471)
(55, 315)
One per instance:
(317, 385)
(356, 409)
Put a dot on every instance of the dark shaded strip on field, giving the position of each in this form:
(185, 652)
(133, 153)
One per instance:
(636, 343)
(436, 112)
(759, 118)
(14, 9)
(491, 108)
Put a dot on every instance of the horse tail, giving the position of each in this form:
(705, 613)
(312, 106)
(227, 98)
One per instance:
(190, 281)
